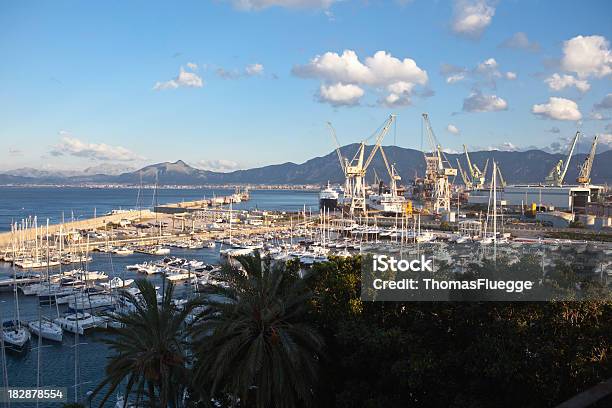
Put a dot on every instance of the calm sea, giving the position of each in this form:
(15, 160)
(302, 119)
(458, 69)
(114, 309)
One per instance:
(58, 364)
(76, 203)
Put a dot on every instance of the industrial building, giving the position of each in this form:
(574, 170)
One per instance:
(566, 198)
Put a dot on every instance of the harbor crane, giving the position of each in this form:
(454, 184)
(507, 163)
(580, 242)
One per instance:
(557, 174)
(477, 176)
(355, 169)
(438, 170)
(584, 174)
(466, 180)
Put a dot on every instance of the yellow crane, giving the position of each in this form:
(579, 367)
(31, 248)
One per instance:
(438, 171)
(558, 172)
(584, 175)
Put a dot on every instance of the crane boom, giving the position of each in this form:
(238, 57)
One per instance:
(340, 158)
(569, 157)
(464, 177)
(379, 140)
(584, 177)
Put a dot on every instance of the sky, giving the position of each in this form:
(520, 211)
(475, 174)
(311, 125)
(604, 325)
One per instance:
(230, 84)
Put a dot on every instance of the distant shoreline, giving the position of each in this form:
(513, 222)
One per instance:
(305, 187)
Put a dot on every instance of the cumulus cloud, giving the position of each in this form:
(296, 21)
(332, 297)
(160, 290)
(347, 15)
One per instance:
(248, 5)
(71, 146)
(219, 165)
(254, 69)
(192, 66)
(558, 82)
(558, 109)
(340, 94)
(554, 129)
(606, 102)
(185, 79)
(520, 41)
(511, 76)
(478, 102)
(587, 56)
(452, 129)
(397, 77)
(472, 17)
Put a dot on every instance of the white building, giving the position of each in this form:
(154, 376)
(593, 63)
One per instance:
(569, 198)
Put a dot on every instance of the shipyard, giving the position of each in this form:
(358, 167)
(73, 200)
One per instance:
(306, 203)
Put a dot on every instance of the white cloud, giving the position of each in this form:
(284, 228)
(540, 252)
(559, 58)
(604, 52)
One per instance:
(484, 73)
(477, 102)
(248, 5)
(219, 165)
(254, 69)
(587, 56)
(558, 108)
(472, 17)
(340, 94)
(185, 79)
(451, 79)
(192, 66)
(520, 41)
(558, 82)
(452, 129)
(488, 66)
(606, 102)
(72, 146)
(382, 70)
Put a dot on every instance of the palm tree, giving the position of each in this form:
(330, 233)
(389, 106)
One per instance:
(149, 349)
(251, 344)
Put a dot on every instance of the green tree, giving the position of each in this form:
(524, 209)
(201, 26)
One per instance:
(251, 342)
(149, 349)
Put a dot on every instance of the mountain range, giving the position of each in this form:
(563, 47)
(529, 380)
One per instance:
(530, 166)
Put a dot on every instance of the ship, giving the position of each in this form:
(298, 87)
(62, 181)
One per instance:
(328, 198)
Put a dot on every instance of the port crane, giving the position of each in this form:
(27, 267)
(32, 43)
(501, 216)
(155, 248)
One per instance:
(438, 170)
(584, 174)
(464, 176)
(355, 169)
(558, 172)
(477, 176)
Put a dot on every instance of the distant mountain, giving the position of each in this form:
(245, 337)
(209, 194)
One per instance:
(517, 167)
(108, 169)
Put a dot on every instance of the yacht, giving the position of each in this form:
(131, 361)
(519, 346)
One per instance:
(79, 322)
(91, 302)
(46, 329)
(328, 198)
(15, 335)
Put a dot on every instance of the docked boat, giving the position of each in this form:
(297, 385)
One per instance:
(16, 335)
(91, 302)
(80, 322)
(123, 251)
(46, 329)
(117, 283)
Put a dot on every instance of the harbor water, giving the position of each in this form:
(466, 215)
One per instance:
(57, 361)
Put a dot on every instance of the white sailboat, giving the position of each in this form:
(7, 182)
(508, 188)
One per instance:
(46, 329)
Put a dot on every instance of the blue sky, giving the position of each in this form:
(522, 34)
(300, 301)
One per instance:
(96, 83)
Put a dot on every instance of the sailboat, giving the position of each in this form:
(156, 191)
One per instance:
(492, 239)
(15, 335)
(44, 327)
